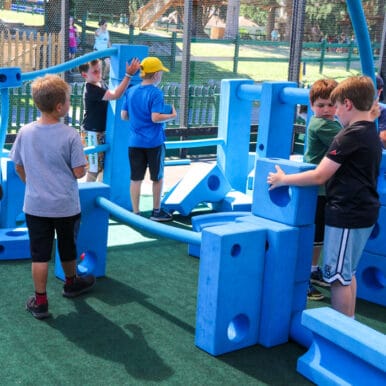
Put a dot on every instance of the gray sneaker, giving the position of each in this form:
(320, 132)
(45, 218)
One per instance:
(38, 311)
(80, 285)
(161, 216)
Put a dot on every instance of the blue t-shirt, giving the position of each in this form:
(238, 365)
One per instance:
(140, 102)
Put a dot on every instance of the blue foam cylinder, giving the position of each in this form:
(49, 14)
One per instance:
(291, 205)
(229, 287)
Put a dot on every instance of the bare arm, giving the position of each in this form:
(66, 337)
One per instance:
(79, 171)
(382, 135)
(131, 69)
(159, 117)
(20, 172)
(324, 171)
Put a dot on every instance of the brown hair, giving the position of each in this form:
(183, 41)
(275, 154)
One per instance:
(86, 66)
(48, 92)
(322, 88)
(359, 90)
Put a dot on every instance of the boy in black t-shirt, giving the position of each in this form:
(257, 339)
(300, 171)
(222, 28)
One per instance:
(350, 170)
(96, 96)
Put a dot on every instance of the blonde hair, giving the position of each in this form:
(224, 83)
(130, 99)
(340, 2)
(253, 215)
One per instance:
(49, 91)
(359, 90)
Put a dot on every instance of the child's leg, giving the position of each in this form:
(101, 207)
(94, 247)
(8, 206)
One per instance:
(39, 276)
(157, 192)
(342, 298)
(135, 192)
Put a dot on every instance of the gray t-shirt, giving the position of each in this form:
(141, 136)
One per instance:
(48, 154)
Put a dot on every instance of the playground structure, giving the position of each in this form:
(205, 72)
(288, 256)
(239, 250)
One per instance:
(239, 302)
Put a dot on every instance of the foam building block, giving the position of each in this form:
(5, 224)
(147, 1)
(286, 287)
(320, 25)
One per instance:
(234, 201)
(208, 186)
(208, 220)
(14, 244)
(10, 77)
(92, 237)
(291, 205)
(343, 351)
(281, 250)
(371, 278)
(229, 287)
(381, 186)
(13, 195)
(377, 240)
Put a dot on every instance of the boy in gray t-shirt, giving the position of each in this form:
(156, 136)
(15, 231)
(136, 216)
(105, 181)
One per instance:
(49, 158)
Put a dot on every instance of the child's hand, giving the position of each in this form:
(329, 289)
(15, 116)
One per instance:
(133, 67)
(174, 112)
(275, 180)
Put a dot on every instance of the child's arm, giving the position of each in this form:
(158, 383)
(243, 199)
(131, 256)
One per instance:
(161, 117)
(79, 171)
(124, 115)
(20, 172)
(131, 69)
(324, 171)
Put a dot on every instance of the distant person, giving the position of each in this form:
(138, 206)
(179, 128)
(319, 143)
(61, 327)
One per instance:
(72, 39)
(350, 170)
(274, 35)
(49, 158)
(321, 130)
(102, 42)
(144, 107)
(95, 97)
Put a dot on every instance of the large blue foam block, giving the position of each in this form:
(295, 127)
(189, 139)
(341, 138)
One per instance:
(229, 287)
(291, 205)
(343, 351)
(10, 77)
(92, 237)
(209, 185)
(14, 244)
(281, 249)
(371, 278)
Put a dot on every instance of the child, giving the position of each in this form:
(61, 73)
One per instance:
(49, 157)
(321, 131)
(72, 39)
(144, 107)
(96, 97)
(350, 170)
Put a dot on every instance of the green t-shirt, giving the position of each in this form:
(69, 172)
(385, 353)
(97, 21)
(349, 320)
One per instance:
(320, 133)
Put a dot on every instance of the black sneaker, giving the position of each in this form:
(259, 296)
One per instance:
(317, 278)
(161, 216)
(38, 311)
(80, 285)
(313, 293)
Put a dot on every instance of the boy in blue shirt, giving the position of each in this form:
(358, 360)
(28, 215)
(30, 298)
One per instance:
(144, 107)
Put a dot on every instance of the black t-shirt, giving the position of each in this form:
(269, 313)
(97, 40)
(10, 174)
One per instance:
(352, 198)
(95, 108)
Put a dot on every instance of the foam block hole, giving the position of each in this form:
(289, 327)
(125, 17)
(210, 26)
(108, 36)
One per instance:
(238, 328)
(213, 183)
(280, 196)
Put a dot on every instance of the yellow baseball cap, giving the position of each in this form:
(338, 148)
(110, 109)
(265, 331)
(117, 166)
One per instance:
(152, 64)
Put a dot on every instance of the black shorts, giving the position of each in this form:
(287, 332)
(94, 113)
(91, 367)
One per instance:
(141, 158)
(319, 220)
(41, 232)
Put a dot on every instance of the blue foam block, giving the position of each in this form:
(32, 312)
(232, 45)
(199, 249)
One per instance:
(208, 186)
(304, 254)
(299, 296)
(377, 240)
(290, 205)
(279, 274)
(14, 244)
(13, 195)
(92, 237)
(371, 278)
(10, 77)
(343, 351)
(208, 220)
(234, 201)
(381, 185)
(229, 287)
